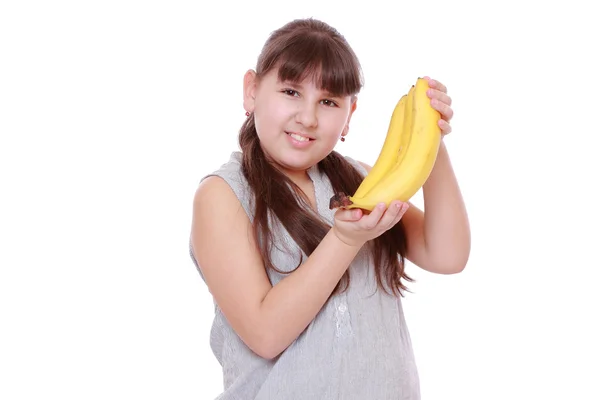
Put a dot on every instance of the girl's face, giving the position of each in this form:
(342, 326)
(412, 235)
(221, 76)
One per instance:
(298, 125)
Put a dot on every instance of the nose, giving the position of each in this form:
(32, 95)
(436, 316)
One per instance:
(307, 115)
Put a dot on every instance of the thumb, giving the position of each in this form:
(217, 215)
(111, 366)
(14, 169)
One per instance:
(349, 215)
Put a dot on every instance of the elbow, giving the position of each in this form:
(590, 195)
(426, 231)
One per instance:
(460, 259)
(451, 265)
(263, 334)
(457, 265)
(268, 354)
(447, 257)
(447, 268)
(455, 268)
(265, 346)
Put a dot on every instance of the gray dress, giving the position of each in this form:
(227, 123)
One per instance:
(357, 348)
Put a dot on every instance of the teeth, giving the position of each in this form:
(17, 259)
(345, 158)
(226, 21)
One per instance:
(299, 138)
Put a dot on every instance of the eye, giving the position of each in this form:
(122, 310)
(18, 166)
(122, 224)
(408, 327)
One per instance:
(290, 92)
(330, 103)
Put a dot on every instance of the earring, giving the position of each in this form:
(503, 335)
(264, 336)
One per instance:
(247, 114)
(343, 139)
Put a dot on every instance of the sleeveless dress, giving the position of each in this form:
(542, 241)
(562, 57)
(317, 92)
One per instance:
(357, 348)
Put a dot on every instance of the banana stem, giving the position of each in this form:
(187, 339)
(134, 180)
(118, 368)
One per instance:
(339, 199)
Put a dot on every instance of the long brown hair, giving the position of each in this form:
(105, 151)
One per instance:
(297, 49)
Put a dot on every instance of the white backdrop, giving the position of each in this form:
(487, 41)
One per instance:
(111, 112)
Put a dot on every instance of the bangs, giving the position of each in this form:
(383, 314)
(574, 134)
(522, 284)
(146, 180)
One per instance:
(321, 59)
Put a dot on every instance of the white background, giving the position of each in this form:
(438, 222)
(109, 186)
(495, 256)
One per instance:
(111, 112)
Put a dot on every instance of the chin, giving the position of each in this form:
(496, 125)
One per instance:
(294, 162)
(294, 159)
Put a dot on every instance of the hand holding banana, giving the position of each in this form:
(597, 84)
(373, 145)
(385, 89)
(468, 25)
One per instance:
(419, 121)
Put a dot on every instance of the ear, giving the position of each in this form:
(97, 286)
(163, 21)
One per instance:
(352, 109)
(249, 90)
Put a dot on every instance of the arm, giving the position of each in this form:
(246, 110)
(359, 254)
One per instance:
(439, 239)
(267, 318)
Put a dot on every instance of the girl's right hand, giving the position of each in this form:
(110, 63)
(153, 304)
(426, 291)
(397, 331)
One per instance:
(355, 227)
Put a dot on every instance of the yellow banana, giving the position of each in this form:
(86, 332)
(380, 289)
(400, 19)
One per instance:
(404, 134)
(389, 151)
(413, 163)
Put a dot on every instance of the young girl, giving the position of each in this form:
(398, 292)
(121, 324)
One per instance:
(307, 299)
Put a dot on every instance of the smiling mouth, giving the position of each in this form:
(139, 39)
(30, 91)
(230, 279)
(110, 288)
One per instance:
(299, 138)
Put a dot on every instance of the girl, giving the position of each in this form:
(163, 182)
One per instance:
(307, 299)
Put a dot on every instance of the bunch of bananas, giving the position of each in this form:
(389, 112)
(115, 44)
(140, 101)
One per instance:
(407, 155)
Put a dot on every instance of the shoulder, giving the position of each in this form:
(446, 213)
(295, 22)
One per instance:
(232, 168)
(212, 187)
(214, 198)
(226, 184)
(216, 212)
(366, 166)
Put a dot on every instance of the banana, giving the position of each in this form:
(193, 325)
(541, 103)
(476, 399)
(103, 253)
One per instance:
(408, 123)
(412, 160)
(405, 132)
(388, 154)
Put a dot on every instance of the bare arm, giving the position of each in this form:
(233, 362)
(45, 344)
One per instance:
(267, 318)
(439, 238)
(441, 234)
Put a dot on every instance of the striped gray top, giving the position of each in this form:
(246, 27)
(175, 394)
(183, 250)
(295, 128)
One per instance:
(358, 346)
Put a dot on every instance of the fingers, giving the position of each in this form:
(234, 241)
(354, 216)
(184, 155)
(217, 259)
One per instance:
(444, 109)
(349, 215)
(370, 221)
(384, 218)
(441, 102)
(444, 126)
(438, 93)
(436, 85)
(435, 94)
(393, 214)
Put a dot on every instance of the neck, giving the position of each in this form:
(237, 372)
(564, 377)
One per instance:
(300, 178)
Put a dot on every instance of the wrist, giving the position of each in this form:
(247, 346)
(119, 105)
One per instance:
(352, 244)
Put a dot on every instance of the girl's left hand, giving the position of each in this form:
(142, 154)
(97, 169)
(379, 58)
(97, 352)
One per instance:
(438, 93)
